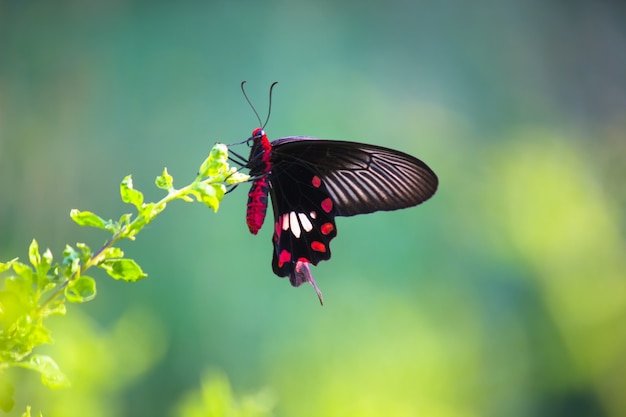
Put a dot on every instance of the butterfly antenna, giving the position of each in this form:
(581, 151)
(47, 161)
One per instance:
(269, 107)
(250, 103)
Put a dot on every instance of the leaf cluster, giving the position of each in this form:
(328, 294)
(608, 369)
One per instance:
(42, 288)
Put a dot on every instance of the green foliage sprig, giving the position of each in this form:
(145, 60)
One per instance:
(34, 292)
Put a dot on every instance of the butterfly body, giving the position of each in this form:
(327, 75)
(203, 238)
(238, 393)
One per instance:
(257, 197)
(311, 181)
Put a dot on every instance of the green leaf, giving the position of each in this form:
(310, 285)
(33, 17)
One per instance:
(85, 252)
(165, 181)
(81, 290)
(216, 163)
(46, 262)
(71, 261)
(87, 218)
(236, 177)
(56, 308)
(210, 194)
(147, 213)
(112, 252)
(125, 219)
(5, 266)
(129, 194)
(219, 153)
(51, 375)
(123, 224)
(23, 271)
(33, 253)
(124, 269)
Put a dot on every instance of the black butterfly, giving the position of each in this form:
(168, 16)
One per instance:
(311, 181)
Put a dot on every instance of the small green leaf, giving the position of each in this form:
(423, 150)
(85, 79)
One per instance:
(210, 194)
(5, 266)
(23, 270)
(33, 253)
(44, 265)
(129, 194)
(56, 308)
(216, 163)
(165, 181)
(81, 290)
(87, 218)
(85, 252)
(219, 153)
(112, 252)
(125, 219)
(46, 261)
(236, 177)
(51, 375)
(124, 222)
(71, 261)
(148, 213)
(124, 269)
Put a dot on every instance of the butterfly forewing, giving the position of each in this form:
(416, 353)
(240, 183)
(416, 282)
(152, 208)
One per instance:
(359, 178)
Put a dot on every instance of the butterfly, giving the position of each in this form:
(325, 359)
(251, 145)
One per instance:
(312, 181)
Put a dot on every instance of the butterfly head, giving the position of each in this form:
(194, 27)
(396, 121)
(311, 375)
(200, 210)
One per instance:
(258, 136)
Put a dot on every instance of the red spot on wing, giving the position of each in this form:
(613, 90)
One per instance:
(277, 231)
(327, 228)
(284, 256)
(318, 246)
(327, 205)
(302, 259)
(316, 181)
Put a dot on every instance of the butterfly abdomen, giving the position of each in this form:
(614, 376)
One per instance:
(260, 167)
(257, 204)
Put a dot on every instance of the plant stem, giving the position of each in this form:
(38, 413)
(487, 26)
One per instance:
(173, 194)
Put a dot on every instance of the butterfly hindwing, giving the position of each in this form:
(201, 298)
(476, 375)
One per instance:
(304, 219)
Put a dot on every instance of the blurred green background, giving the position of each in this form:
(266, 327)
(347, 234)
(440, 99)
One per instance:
(505, 295)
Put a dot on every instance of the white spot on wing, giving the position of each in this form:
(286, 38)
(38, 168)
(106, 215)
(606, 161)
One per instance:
(285, 221)
(305, 222)
(295, 226)
(313, 215)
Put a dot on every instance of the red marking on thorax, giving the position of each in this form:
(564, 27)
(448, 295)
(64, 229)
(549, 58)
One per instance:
(257, 197)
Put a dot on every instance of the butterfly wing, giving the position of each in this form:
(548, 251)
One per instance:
(313, 180)
(359, 178)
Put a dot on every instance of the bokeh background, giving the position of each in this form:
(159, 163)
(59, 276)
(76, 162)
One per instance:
(505, 295)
